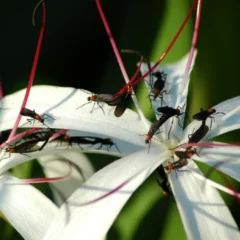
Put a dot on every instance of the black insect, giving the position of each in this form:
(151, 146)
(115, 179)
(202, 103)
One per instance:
(82, 140)
(158, 86)
(77, 140)
(176, 165)
(109, 99)
(99, 98)
(153, 129)
(40, 135)
(103, 142)
(106, 98)
(183, 160)
(123, 102)
(188, 153)
(195, 137)
(183, 156)
(168, 112)
(163, 181)
(204, 114)
(35, 116)
(199, 134)
(26, 147)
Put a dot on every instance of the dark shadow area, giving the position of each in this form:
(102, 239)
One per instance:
(8, 232)
(76, 50)
(154, 222)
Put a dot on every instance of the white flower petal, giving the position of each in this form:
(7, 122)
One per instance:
(94, 220)
(62, 108)
(221, 123)
(225, 159)
(177, 96)
(204, 213)
(26, 208)
(55, 166)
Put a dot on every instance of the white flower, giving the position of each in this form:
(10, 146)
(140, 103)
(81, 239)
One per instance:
(204, 214)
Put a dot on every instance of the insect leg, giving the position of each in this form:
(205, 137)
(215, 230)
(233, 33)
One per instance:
(83, 105)
(179, 122)
(80, 146)
(48, 116)
(44, 144)
(99, 106)
(170, 130)
(117, 147)
(31, 120)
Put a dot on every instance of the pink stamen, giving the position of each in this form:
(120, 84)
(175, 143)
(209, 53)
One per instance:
(42, 180)
(32, 74)
(137, 71)
(208, 144)
(230, 186)
(212, 169)
(216, 185)
(114, 46)
(194, 42)
(134, 75)
(121, 65)
(58, 134)
(108, 193)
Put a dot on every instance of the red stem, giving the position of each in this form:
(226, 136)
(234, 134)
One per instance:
(32, 74)
(133, 77)
(194, 42)
(44, 180)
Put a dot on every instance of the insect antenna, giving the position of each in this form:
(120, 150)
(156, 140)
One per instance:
(83, 105)
(142, 56)
(116, 147)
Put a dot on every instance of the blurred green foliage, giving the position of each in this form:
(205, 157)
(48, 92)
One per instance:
(76, 52)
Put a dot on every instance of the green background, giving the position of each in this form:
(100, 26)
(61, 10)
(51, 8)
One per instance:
(76, 52)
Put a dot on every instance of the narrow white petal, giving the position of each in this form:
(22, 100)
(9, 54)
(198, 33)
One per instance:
(93, 221)
(204, 213)
(225, 159)
(177, 95)
(221, 123)
(55, 166)
(63, 108)
(28, 210)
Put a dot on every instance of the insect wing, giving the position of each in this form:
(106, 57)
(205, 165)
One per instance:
(27, 112)
(159, 85)
(107, 98)
(201, 115)
(80, 140)
(27, 146)
(167, 111)
(115, 102)
(181, 154)
(163, 181)
(199, 134)
(120, 108)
